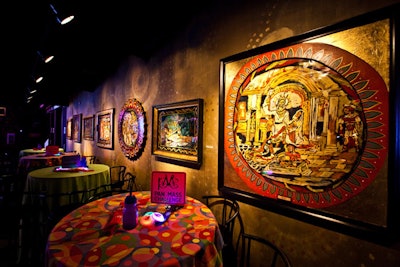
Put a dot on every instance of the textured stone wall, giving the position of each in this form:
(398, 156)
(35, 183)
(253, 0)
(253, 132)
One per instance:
(189, 68)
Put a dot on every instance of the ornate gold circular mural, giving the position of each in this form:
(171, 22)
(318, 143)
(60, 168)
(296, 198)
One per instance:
(307, 123)
(131, 129)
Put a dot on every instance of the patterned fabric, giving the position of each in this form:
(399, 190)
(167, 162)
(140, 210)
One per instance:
(92, 235)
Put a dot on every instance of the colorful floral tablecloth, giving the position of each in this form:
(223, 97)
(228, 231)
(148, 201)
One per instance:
(92, 235)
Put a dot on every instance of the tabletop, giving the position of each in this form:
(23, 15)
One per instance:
(40, 160)
(51, 181)
(92, 235)
(35, 151)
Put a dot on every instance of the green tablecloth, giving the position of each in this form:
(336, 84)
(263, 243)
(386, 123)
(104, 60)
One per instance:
(50, 181)
(31, 151)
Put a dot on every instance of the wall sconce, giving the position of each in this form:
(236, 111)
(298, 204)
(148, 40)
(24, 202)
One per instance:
(61, 18)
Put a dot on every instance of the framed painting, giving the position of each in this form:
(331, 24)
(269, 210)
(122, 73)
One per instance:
(178, 133)
(69, 129)
(76, 128)
(105, 128)
(88, 128)
(307, 127)
(132, 129)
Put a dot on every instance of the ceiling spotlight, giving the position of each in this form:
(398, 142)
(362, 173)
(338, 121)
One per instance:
(38, 79)
(62, 19)
(45, 59)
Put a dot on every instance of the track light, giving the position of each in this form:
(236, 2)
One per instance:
(38, 79)
(61, 18)
(45, 59)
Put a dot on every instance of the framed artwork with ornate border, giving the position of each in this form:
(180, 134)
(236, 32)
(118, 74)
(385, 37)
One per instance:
(178, 133)
(88, 128)
(76, 128)
(105, 128)
(132, 129)
(307, 127)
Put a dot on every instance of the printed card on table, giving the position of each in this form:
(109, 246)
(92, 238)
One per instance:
(168, 187)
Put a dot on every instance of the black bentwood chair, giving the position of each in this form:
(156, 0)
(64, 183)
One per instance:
(226, 211)
(257, 251)
(117, 176)
(108, 190)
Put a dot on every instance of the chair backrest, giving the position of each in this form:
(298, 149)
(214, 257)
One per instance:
(117, 176)
(90, 159)
(226, 211)
(131, 178)
(106, 190)
(258, 251)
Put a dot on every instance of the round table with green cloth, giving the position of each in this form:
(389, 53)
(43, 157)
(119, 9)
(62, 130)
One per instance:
(38, 161)
(92, 235)
(35, 151)
(52, 182)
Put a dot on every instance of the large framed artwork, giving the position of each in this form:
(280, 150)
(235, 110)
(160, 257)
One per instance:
(105, 128)
(76, 128)
(132, 129)
(307, 127)
(88, 128)
(178, 133)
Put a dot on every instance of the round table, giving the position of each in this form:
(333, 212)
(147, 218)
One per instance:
(41, 160)
(92, 235)
(50, 181)
(35, 151)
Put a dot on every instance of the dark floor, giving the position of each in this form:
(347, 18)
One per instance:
(30, 251)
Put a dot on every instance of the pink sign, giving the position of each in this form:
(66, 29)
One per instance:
(168, 187)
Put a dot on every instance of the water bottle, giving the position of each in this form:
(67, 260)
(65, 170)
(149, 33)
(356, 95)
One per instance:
(130, 213)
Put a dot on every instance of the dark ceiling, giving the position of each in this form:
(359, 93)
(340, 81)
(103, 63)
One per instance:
(88, 49)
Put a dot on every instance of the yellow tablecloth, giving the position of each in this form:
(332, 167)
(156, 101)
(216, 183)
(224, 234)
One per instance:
(49, 181)
(92, 235)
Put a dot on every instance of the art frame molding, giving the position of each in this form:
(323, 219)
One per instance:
(105, 128)
(132, 129)
(262, 164)
(77, 128)
(183, 121)
(88, 128)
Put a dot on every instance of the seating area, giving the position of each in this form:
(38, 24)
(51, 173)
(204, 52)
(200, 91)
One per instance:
(30, 216)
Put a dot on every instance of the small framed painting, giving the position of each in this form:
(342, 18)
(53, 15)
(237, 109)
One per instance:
(178, 133)
(69, 129)
(105, 128)
(88, 128)
(76, 128)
